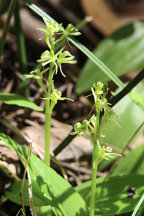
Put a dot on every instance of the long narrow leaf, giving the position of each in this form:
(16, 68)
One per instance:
(112, 196)
(6, 27)
(88, 53)
(20, 39)
(15, 99)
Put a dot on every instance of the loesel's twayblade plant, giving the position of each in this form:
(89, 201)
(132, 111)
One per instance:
(51, 62)
(92, 129)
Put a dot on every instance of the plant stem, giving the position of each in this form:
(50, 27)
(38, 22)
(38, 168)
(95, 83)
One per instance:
(93, 184)
(47, 133)
(6, 27)
(94, 166)
(48, 118)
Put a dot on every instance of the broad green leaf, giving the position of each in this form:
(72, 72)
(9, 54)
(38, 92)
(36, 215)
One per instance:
(122, 52)
(138, 99)
(88, 53)
(14, 99)
(130, 117)
(132, 163)
(41, 206)
(58, 193)
(13, 194)
(112, 196)
(44, 211)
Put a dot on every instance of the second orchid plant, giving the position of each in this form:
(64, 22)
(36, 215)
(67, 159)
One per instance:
(92, 129)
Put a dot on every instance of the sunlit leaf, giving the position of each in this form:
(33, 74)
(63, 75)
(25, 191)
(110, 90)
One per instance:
(122, 52)
(56, 191)
(112, 194)
(15, 99)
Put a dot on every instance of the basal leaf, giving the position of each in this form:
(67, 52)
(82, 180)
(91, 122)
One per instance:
(58, 193)
(112, 194)
(14, 99)
(132, 163)
(13, 194)
(122, 52)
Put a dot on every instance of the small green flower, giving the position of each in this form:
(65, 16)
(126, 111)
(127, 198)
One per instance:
(51, 28)
(58, 59)
(55, 97)
(81, 128)
(105, 153)
(38, 75)
(99, 93)
(78, 129)
(47, 57)
(71, 30)
(65, 57)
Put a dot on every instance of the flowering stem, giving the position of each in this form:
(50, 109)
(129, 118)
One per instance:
(48, 118)
(94, 165)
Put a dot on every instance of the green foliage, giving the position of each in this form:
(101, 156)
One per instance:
(138, 99)
(13, 194)
(122, 52)
(51, 194)
(112, 195)
(15, 99)
(132, 163)
(56, 191)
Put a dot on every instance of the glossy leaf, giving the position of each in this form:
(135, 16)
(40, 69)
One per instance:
(112, 196)
(132, 163)
(14, 99)
(138, 99)
(122, 52)
(13, 194)
(57, 192)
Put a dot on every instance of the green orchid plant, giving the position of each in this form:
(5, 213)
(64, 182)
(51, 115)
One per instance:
(51, 61)
(92, 129)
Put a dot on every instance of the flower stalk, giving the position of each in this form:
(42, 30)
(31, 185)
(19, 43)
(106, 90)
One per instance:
(92, 129)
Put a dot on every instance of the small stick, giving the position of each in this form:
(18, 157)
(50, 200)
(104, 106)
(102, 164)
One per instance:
(24, 175)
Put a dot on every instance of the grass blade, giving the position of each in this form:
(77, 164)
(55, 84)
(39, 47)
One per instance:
(98, 62)
(6, 27)
(20, 39)
(138, 205)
